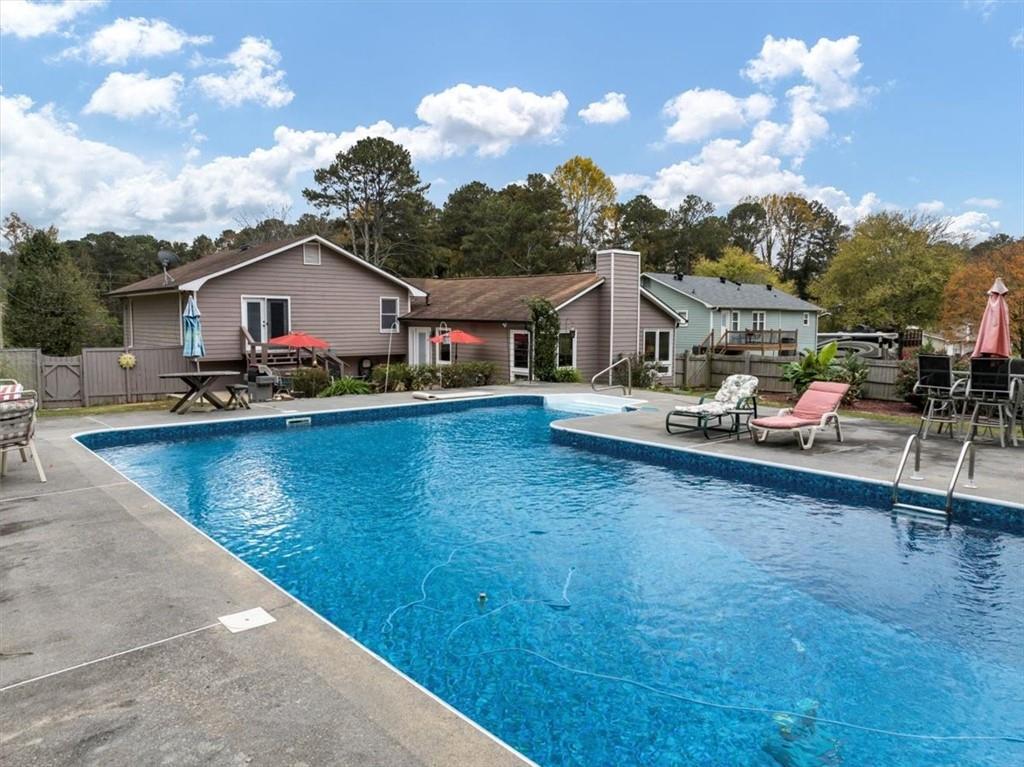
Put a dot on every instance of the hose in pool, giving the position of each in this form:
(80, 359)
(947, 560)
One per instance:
(565, 604)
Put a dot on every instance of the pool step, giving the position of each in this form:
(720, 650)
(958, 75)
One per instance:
(911, 508)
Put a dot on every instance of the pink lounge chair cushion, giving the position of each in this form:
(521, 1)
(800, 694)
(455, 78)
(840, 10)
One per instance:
(784, 422)
(821, 397)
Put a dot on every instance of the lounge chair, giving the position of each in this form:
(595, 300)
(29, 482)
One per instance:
(17, 429)
(814, 411)
(737, 393)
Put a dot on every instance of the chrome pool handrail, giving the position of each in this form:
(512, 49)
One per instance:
(912, 441)
(627, 388)
(967, 451)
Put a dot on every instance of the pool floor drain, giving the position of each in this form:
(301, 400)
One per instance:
(247, 619)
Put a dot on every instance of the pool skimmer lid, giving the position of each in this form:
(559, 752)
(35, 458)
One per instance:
(247, 619)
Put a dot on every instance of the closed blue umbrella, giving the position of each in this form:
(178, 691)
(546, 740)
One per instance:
(192, 334)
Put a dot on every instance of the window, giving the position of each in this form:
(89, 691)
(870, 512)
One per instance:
(658, 350)
(734, 320)
(807, 319)
(444, 349)
(388, 315)
(311, 254)
(758, 321)
(567, 349)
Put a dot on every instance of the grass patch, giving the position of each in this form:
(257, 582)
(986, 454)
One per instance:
(58, 412)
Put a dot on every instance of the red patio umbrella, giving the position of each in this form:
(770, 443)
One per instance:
(456, 337)
(299, 340)
(994, 331)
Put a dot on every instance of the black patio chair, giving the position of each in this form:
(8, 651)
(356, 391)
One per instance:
(994, 393)
(943, 393)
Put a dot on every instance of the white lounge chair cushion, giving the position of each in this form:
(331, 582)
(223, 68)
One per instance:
(736, 388)
(711, 408)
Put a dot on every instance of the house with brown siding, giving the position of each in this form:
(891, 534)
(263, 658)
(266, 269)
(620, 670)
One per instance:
(604, 315)
(249, 295)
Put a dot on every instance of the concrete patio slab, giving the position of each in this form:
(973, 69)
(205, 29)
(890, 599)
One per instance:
(93, 567)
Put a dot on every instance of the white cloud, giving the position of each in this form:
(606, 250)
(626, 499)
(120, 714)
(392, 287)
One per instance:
(53, 174)
(972, 225)
(489, 119)
(1017, 39)
(983, 202)
(630, 182)
(610, 109)
(930, 208)
(829, 66)
(25, 19)
(124, 95)
(983, 7)
(699, 113)
(135, 37)
(254, 77)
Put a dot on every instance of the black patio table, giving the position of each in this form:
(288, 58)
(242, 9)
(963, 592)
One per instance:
(198, 383)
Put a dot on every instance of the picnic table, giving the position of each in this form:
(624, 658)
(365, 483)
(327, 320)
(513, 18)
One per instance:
(199, 383)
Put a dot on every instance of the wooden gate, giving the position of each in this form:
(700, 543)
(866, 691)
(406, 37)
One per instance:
(62, 381)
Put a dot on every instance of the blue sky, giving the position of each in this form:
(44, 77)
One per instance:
(178, 118)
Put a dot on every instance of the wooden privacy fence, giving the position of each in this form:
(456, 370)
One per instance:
(93, 377)
(710, 370)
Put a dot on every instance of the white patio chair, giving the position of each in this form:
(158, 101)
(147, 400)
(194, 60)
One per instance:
(17, 430)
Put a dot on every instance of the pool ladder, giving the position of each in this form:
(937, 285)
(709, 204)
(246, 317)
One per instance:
(967, 452)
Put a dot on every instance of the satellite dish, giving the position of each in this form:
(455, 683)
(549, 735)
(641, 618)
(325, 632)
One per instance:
(167, 259)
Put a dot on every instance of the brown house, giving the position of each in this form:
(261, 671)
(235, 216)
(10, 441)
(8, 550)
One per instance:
(249, 295)
(604, 315)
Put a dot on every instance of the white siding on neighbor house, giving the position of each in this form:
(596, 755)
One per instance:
(153, 321)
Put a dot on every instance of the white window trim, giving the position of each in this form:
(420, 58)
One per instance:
(241, 307)
(307, 247)
(807, 319)
(512, 369)
(573, 332)
(671, 347)
(380, 314)
(734, 320)
(764, 319)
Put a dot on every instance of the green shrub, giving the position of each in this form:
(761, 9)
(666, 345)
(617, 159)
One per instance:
(814, 365)
(567, 375)
(398, 376)
(402, 377)
(644, 374)
(546, 328)
(466, 374)
(851, 370)
(308, 382)
(345, 385)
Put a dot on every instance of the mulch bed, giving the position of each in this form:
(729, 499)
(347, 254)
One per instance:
(884, 407)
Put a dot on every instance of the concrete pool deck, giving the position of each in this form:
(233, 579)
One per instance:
(93, 567)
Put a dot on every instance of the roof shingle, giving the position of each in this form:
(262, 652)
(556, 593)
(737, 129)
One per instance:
(732, 295)
(496, 299)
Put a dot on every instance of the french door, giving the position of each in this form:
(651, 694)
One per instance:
(266, 317)
(419, 346)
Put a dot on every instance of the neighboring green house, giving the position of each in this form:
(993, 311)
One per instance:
(735, 317)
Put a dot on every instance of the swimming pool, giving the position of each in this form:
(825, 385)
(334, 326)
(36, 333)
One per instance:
(593, 610)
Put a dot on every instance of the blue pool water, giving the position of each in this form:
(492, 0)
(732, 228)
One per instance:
(633, 614)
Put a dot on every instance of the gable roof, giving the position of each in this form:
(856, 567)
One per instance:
(715, 292)
(193, 275)
(657, 303)
(497, 299)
